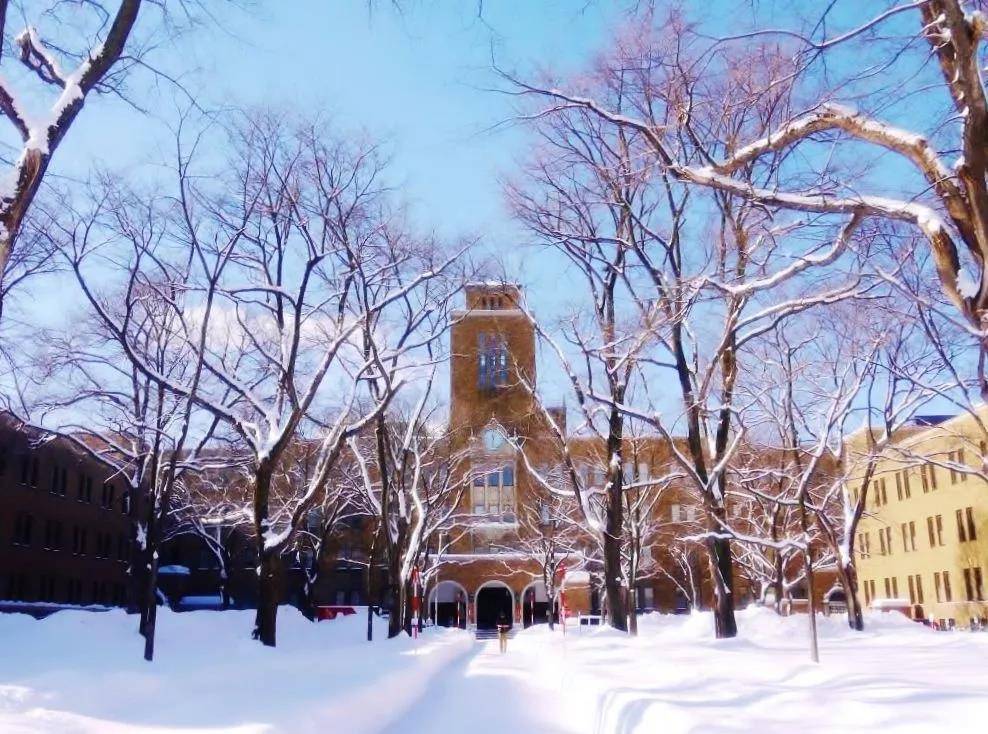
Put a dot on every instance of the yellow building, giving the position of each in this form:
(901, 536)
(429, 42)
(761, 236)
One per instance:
(923, 540)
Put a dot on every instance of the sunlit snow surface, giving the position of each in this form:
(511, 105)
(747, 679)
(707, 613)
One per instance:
(79, 672)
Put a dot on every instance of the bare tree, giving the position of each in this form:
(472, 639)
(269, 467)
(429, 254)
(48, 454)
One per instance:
(949, 204)
(288, 258)
(412, 482)
(115, 371)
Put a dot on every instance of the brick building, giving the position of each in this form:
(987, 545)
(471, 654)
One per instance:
(486, 570)
(65, 524)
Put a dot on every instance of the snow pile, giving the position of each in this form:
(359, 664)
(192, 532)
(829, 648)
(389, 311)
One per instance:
(83, 672)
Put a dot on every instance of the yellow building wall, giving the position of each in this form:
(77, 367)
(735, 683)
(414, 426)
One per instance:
(923, 459)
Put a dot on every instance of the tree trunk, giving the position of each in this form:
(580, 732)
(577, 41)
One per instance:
(633, 611)
(150, 606)
(777, 582)
(268, 597)
(849, 580)
(613, 586)
(811, 601)
(396, 621)
(723, 579)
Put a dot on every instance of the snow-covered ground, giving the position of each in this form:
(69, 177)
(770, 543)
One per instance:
(78, 672)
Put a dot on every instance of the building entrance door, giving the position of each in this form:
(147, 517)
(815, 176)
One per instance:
(492, 602)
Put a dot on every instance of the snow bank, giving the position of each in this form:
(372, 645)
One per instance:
(896, 676)
(83, 672)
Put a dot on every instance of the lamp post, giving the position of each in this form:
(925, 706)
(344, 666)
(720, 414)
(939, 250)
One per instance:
(547, 526)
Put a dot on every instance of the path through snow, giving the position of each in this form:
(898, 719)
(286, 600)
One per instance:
(490, 693)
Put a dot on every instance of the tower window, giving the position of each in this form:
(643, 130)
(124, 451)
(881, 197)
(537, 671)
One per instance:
(494, 493)
(492, 361)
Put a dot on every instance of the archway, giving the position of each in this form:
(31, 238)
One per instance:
(448, 605)
(535, 607)
(494, 599)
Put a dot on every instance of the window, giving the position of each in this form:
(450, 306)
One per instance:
(912, 590)
(492, 361)
(53, 535)
(888, 588)
(109, 491)
(123, 548)
(867, 593)
(968, 585)
(972, 530)
(904, 529)
(29, 470)
(946, 587)
(78, 541)
(939, 529)
(22, 529)
(937, 583)
(928, 475)
(888, 539)
(125, 502)
(973, 584)
(956, 457)
(895, 587)
(59, 480)
(934, 527)
(674, 513)
(74, 595)
(881, 542)
(881, 495)
(17, 587)
(905, 484)
(919, 589)
(85, 488)
(494, 493)
(47, 592)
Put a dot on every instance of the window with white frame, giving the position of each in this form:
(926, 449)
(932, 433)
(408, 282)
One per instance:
(494, 492)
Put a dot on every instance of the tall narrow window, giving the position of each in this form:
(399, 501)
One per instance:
(919, 589)
(912, 590)
(929, 528)
(937, 583)
(494, 493)
(961, 529)
(968, 584)
(912, 535)
(972, 530)
(492, 361)
(939, 529)
(979, 589)
(947, 596)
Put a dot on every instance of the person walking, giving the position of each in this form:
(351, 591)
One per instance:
(502, 631)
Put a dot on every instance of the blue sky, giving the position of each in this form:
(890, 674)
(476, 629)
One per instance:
(420, 79)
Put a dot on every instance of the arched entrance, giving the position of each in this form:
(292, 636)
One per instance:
(535, 607)
(448, 605)
(494, 599)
